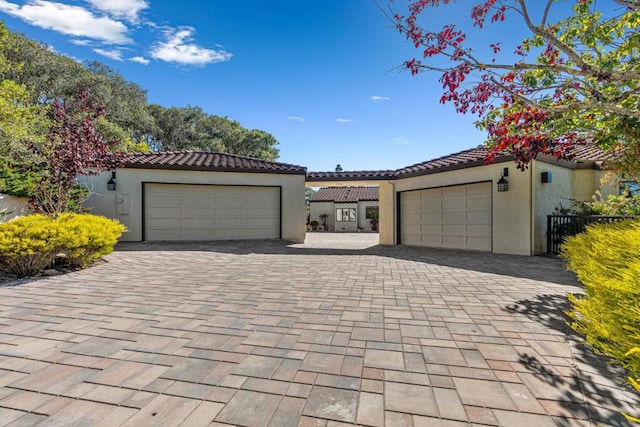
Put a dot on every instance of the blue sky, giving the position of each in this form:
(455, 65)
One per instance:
(318, 75)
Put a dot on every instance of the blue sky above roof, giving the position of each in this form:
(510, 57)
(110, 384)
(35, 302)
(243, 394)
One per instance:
(318, 75)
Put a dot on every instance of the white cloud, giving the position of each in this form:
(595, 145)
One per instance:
(82, 42)
(127, 9)
(140, 60)
(114, 54)
(177, 48)
(401, 141)
(66, 19)
(296, 118)
(341, 120)
(376, 98)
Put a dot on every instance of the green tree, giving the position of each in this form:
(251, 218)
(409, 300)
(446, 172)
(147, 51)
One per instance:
(574, 78)
(338, 167)
(191, 128)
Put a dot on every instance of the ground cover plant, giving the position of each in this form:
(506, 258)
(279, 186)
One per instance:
(606, 259)
(31, 244)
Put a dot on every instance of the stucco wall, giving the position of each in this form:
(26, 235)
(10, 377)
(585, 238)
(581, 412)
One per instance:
(363, 222)
(12, 206)
(387, 209)
(567, 186)
(319, 208)
(129, 182)
(345, 226)
(512, 231)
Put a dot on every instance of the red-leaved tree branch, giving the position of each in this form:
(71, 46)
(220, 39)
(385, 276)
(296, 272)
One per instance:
(573, 80)
(74, 147)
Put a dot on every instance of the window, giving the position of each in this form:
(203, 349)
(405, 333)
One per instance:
(345, 215)
(371, 212)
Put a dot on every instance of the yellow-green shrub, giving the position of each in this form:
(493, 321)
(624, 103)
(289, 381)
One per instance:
(606, 259)
(87, 237)
(30, 244)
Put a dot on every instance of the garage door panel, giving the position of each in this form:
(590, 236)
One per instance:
(231, 222)
(454, 218)
(194, 212)
(197, 223)
(433, 229)
(164, 202)
(209, 212)
(431, 217)
(478, 230)
(478, 189)
(478, 243)
(450, 217)
(453, 204)
(479, 217)
(478, 203)
(431, 240)
(454, 230)
(457, 192)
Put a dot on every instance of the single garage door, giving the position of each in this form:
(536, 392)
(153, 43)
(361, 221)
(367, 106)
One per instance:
(211, 212)
(457, 217)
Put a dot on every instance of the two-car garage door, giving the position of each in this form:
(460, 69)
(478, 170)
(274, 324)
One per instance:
(456, 217)
(210, 212)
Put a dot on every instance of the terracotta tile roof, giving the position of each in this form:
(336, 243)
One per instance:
(351, 176)
(586, 153)
(209, 161)
(591, 153)
(461, 160)
(346, 194)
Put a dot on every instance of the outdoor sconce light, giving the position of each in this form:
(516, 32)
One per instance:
(546, 177)
(111, 184)
(503, 184)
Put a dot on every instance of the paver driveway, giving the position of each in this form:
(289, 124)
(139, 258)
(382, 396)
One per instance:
(336, 331)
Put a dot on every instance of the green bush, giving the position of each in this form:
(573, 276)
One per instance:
(612, 205)
(29, 244)
(87, 237)
(606, 259)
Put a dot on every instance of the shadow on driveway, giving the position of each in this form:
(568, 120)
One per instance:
(540, 268)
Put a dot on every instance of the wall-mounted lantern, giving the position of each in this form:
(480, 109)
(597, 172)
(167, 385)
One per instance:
(111, 184)
(546, 177)
(503, 184)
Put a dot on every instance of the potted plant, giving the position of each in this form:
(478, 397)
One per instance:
(324, 218)
(373, 220)
(314, 225)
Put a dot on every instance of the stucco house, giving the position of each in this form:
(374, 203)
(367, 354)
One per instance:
(349, 209)
(455, 202)
(202, 196)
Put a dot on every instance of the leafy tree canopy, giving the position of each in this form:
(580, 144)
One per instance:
(576, 77)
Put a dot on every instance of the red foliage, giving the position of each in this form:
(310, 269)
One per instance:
(518, 128)
(74, 147)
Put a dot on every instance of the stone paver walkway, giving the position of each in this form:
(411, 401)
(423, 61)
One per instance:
(320, 334)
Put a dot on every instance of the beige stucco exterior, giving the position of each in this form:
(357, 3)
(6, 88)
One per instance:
(126, 203)
(569, 183)
(511, 232)
(361, 224)
(12, 207)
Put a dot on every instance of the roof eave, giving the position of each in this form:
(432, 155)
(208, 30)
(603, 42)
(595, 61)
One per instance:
(212, 169)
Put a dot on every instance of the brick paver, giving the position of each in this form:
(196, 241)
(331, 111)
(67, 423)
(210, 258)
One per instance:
(331, 332)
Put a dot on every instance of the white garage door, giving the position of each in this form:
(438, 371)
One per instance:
(457, 217)
(211, 212)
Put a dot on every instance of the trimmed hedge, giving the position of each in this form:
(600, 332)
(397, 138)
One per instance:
(30, 244)
(606, 259)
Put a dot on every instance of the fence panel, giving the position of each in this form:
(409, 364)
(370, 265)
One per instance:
(559, 227)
